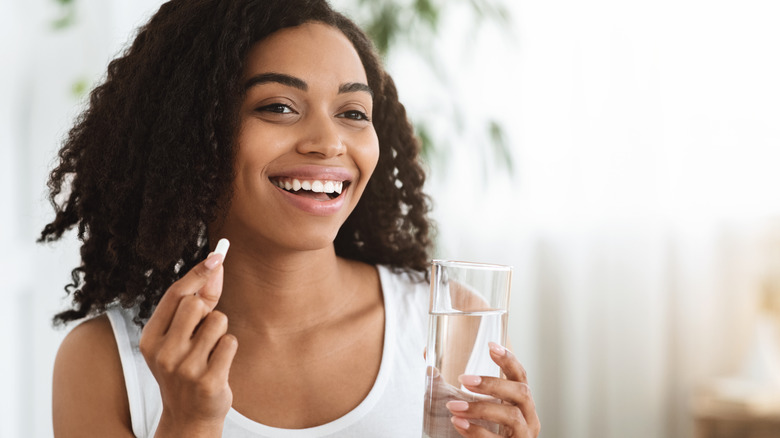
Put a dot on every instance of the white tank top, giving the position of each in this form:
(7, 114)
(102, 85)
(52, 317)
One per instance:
(393, 407)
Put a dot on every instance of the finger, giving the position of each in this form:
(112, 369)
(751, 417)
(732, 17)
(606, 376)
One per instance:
(207, 334)
(467, 429)
(514, 370)
(191, 283)
(168, 350)
(515, 393)
(189, 314)
(511, 417)
(510, 392)
(211, 329)
(509, 364)
(222, 357)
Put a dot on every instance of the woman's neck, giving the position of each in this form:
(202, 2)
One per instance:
(283, 294)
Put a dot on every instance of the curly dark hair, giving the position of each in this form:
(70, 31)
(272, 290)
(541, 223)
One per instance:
(149, 163)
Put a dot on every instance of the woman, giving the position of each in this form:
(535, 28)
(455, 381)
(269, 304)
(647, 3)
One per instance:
(270, 123)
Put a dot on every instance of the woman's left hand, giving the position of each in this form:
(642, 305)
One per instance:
(516, 414)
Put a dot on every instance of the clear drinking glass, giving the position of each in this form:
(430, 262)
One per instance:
(468, 309)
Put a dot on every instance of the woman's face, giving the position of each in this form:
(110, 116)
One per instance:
(306, 146)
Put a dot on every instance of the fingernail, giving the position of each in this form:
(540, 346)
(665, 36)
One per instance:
(457, 405)
(460, 423)
(497, 349)
(213, 261)
(470, 380)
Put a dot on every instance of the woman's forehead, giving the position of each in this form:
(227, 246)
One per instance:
(311, 51)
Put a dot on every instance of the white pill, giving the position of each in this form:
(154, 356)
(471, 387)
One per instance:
(222, 247)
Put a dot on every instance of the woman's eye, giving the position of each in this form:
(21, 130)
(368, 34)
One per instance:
(354, 115)
(277, 108)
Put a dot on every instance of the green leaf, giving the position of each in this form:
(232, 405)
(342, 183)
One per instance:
(426, 141)
(67, 15)
(489, 10)
(500, 146)
(64, 22)
(384, 28)
(428, 13)
(80, 87)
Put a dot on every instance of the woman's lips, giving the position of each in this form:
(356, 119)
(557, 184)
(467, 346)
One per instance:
(317, 190)
(315, 203)
(311, 173)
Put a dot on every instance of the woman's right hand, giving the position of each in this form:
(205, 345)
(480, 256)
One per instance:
(186, 345)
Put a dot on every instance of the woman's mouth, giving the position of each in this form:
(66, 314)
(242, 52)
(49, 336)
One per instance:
(321, 190)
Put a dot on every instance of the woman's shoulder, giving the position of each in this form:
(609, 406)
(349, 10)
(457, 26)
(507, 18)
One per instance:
(88, 384)
(89, 345)
(95, 339)
(94, 329)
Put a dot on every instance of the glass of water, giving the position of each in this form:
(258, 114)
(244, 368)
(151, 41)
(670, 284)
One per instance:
(468, 309)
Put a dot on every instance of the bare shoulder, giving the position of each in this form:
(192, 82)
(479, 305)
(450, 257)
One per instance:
(88, 393)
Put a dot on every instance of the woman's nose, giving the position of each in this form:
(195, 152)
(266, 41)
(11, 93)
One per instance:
(321, 137)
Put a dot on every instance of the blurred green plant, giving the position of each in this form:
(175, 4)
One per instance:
(67, 14)
(392, 23)
(396, 25)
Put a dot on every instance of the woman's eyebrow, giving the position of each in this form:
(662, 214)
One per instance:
(281, 78)
(292, 81)
(354, 87)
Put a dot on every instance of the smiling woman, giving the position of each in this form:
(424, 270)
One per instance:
(298, 124)
(272, 124)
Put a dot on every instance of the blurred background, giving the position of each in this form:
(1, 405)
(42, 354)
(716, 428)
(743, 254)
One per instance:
(622, 155)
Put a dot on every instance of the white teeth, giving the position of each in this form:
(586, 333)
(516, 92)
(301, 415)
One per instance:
(316, 186)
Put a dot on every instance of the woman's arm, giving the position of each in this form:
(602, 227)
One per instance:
(89, 398)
